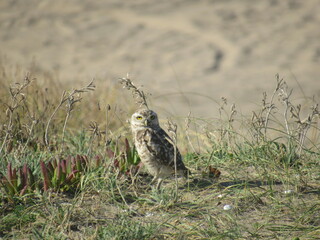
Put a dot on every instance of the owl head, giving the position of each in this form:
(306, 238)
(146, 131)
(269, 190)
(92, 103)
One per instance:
(144, 118)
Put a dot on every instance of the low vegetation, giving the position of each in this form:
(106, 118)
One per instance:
(69, 170)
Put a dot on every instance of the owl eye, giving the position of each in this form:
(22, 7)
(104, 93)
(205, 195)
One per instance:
(152, 117)
(139, 118)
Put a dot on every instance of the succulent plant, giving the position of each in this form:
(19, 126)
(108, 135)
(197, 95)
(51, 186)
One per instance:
(126, 161)
(18, 181)
(63, 174)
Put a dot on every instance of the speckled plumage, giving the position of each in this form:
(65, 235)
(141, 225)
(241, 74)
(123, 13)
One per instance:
(154, 146)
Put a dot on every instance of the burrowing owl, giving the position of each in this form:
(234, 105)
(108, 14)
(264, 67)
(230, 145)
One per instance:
(155, 147)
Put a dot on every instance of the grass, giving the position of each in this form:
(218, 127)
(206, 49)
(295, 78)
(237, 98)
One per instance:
(269, 165)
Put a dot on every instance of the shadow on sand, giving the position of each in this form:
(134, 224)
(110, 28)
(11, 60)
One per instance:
(199, 183)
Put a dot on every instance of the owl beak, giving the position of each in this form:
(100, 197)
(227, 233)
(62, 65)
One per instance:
(145, 123)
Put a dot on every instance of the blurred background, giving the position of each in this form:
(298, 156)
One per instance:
(187, 54)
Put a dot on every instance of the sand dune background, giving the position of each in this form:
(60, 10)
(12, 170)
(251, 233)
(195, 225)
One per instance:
(188, 54)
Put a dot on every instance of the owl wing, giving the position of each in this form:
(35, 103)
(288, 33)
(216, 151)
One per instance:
(161, 146)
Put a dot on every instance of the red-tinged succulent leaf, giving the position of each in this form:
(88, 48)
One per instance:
(116, 163)
(81, 162)
(68, 164)
(128, 149)
(23, 190)
(77, 163)
(74, 166)
(97, 159)
(25, 170)
(84, 162)
(32, 181)
(14, 180)
(50, 169)
(63, 166)
(4, 181)
(22, 179)
(58, 170)
(9, 172)
(55, 162)
(24, 175)
(78, 158)
(71, 176)
(46, 180)
(56, 179)
(12, 175)
(63, 177)
(8, 186)
(72, 159)
(8, 182)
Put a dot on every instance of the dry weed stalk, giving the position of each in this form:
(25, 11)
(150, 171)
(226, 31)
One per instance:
(221, 109)
(172, 130)
(260, 120)
(299, 130)
(107, 140)
(69, 98)
(95, 132)
(303, 124)
(284, 97)
(226, 131)
(188, 121)
(18, 99)
(296, 129)
(137, 93)
(269, 106)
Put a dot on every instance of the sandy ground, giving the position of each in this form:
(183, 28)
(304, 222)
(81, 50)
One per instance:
(188, 54)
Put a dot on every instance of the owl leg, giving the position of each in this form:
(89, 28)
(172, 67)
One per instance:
(159, 183)
(154, 179)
